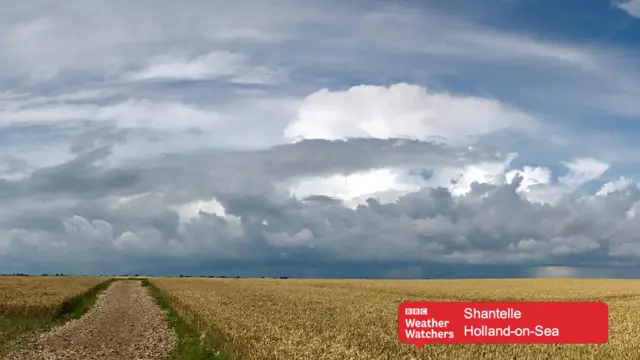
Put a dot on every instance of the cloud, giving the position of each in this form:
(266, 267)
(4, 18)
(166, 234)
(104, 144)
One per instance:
(325, 138)
(400, 111)
(214, 65)
(315, 199)
(537, 184)
(356, 188)
(582, 170)
(112, 39)
(387, 184)
(632, 7)
(172, 212)
(11, 167)
(132, 113)
(617, 185)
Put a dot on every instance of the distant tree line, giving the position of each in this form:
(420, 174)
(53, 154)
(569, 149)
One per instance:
(137, 275)
(227, 277)
(23, 274)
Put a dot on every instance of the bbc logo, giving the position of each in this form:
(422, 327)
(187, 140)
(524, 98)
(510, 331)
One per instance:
(416, 311)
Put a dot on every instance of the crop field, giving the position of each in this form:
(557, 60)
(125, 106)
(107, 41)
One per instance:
(344, 319)
(35, 295)
(35, 302)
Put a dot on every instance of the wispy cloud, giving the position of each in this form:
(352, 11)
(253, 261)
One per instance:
(211, 66)
(632, 7)
(128, 114)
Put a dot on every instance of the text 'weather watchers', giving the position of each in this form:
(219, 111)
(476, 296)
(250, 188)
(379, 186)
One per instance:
(422, 323)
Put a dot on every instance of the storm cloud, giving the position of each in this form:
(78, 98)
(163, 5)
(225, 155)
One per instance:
(312, 139)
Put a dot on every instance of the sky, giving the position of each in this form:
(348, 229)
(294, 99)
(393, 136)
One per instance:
(308, 138)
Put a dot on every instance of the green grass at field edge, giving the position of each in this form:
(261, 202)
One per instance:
(13, 327)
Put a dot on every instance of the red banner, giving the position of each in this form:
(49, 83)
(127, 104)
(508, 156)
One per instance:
(422, 323)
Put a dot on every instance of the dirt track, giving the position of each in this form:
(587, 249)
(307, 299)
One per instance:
(124, 324)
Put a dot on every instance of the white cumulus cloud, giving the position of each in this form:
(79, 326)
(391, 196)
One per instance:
(400, 111)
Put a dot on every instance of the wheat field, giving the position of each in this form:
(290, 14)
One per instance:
(343, 319)
(41, 295)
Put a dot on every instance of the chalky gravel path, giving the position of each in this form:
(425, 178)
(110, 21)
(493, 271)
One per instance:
(124, 324)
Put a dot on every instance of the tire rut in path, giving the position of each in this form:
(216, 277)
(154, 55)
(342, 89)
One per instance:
(124, 324)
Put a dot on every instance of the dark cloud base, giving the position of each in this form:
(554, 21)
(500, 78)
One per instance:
(72, 218)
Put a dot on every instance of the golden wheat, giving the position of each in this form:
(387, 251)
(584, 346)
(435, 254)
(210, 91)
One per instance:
(340, 319)
(41, 295)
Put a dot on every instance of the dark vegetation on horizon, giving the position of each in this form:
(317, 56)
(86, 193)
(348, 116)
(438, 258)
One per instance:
(137, 275)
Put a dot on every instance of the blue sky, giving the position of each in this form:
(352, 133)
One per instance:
(153, 135)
